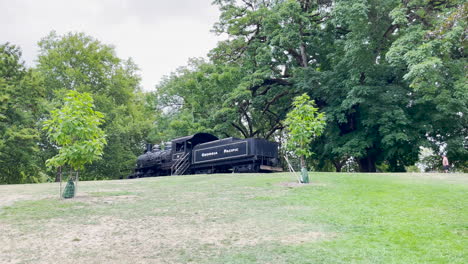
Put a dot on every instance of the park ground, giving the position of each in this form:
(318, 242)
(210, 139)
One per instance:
(240, 218)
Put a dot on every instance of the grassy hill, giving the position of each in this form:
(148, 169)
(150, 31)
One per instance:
(240, 218)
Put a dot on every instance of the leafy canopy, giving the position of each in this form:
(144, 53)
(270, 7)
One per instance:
(21, 104)
(77, 61)
(75, 128)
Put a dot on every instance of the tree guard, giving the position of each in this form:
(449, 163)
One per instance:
(69, 189)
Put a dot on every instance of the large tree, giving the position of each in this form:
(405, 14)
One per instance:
(192, 100)
(250, 76)
(367, 102)
(431, 51)
(81, 63)
(21, 105)
(271, 42)
(336, 53)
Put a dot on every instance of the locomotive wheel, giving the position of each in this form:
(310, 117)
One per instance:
(256, 168)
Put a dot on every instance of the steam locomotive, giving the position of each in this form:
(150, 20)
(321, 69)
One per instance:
(204, 153)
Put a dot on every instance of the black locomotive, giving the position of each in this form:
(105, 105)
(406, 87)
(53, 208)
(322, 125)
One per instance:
(205, 153)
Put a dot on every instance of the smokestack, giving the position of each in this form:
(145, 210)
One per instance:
(149, 147)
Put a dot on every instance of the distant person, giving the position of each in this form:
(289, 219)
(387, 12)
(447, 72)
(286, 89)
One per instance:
(445, 163)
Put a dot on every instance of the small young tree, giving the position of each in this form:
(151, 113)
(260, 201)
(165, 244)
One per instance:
(74, 128)
(304, 123)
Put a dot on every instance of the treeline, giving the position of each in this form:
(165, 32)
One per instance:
(77, 62)
(390, 76)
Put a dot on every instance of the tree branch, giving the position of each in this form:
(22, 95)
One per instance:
(268, 83)
(390, 30)
(240, 129)
(276, 98)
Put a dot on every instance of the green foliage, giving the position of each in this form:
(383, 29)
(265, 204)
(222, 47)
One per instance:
(413, 168)
(76, 61)
(192, 100)
(389, 75)
(21, 105)
(370, 108)
(267, 43)
(304, 124)
(432, 51)
(74, 128)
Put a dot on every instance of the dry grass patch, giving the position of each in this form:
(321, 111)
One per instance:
(297, 184)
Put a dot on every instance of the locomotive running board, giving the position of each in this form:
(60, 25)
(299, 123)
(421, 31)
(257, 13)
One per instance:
(270, 168)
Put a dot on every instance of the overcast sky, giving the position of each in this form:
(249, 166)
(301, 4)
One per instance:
(160, 35)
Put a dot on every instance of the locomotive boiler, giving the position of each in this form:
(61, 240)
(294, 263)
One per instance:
(205, 153)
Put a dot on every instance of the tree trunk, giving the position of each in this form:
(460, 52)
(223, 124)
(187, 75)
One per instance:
(395, 166)
(338, 167)
(76, 185)
(338, 164)
(304, 172)
(304, 61)
(59, 174)
(367, 164)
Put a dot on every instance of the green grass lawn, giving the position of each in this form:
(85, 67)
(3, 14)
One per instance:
(240, 218)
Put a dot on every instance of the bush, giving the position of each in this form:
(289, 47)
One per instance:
(413, 168)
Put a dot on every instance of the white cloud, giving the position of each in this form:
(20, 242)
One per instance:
(159, 35)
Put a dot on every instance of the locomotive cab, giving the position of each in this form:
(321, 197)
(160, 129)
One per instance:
(183, 146)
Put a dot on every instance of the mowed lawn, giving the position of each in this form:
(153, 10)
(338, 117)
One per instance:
(240, 218)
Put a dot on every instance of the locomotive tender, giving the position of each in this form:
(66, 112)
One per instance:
(205, 153)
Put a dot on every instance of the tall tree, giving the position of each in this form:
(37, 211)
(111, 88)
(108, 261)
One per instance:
(336, 53)
(81, 63)
(21, 105)
(192, 99)
(272, 42)
(369, 104)
(431, 50)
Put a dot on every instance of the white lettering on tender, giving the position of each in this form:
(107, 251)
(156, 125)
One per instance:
(231, 150)
(209, 154)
